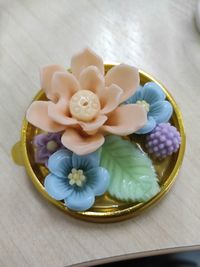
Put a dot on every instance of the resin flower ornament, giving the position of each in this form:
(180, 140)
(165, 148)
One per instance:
(163, 141)
(152, 98)
(85, 104)
(46, 144)
(76, 179)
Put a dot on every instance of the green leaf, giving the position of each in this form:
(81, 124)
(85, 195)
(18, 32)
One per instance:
(133, 177)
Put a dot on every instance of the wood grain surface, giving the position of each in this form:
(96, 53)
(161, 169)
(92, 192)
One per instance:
(157, 36)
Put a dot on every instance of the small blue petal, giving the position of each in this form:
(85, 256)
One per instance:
(150, 125)
(60, 163)
(86, 162)
(57, 187)
(81, 199)
(152, 93)
(161, 111)
(98, 179)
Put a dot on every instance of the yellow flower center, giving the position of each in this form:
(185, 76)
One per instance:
(144, 104)
(51, 145)
(84, 105)
(76, 177)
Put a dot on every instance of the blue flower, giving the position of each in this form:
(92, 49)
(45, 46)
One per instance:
(152, 97)
(76, 179)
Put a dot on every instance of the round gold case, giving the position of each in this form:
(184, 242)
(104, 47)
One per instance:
(106, 209)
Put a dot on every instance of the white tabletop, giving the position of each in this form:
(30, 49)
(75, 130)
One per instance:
(157, 36)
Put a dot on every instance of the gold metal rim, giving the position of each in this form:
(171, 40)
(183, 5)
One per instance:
(117, 215)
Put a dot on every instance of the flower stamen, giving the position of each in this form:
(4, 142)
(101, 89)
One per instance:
(144, 104)
(51, 146)
(76, 177)
(84, 105)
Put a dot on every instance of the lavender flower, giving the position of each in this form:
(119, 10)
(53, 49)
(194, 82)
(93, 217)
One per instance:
(163, 140)
(46, 144)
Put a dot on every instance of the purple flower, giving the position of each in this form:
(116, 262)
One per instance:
(163, 140)
(46, 144)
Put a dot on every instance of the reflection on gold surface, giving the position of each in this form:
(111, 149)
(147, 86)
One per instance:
(106, 208)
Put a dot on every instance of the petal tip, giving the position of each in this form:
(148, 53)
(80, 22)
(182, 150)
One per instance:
(85, 58)
(126, 77)
(46, 74)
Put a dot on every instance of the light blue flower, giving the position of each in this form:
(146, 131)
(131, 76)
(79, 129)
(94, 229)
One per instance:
(76, 179)
(152, 97)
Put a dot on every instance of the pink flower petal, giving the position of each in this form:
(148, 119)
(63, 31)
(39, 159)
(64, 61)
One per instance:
(37, 114)
(84, 59)
(46, 74)
(91, 79)
(126, 119)
(64, 85)
(110, 98)
(126, 77)
(59, 112)
(92, 126)
(81, 145)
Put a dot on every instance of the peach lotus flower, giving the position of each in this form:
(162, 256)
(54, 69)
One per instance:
(85, 104)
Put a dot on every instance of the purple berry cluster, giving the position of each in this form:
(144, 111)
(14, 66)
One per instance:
(163, 140)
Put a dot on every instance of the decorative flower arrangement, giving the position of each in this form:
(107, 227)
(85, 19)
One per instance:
(152, 97)
(84, 120)
(47, 144)
(163, 141)
(85, 105)
(76, 179)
